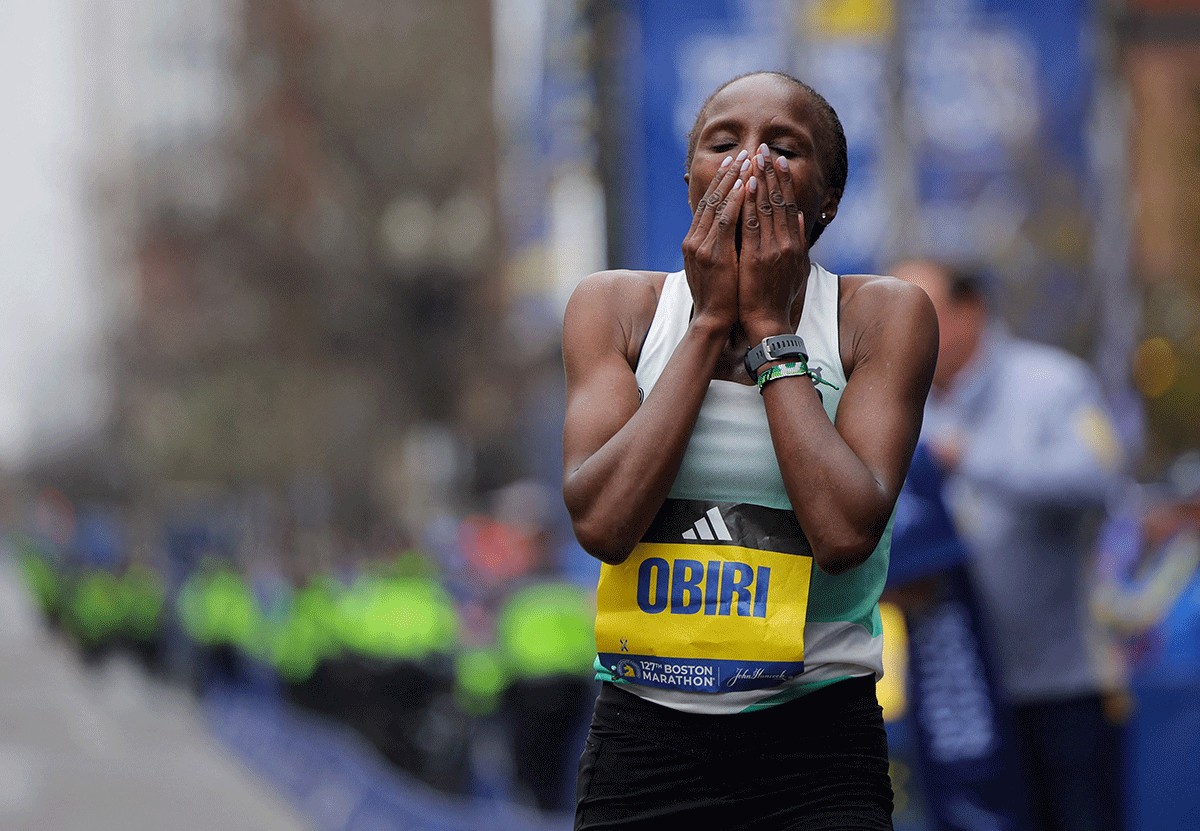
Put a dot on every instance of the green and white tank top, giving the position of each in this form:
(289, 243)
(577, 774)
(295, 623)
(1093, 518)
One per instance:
(721, 608)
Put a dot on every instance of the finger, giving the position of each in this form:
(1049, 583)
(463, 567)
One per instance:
(793, 218)
(706, 199)
(726, 218)
(751, 216)
(766, 210)
(718, 189)
(718, 210)
(722, 182)
(773, 195)
(730, 210)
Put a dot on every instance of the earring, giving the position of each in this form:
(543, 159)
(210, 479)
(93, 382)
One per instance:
(824, 216)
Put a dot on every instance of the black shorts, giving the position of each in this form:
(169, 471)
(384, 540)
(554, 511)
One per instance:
(818, 762)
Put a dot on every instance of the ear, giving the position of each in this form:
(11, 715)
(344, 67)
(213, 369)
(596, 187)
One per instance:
(829, 206)
(687, 180)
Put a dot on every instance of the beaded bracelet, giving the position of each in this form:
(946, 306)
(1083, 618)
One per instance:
(787, 370)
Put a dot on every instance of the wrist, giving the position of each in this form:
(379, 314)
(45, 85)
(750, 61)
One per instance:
(766, 326)
(709, 329)
(771, 372)
(755, 334)
(791, 369)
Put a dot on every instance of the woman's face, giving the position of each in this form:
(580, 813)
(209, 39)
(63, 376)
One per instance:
(763, 109)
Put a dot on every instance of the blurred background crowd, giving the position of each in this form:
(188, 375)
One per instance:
(283, 288)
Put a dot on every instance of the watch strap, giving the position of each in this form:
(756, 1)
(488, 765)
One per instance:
(775, 348)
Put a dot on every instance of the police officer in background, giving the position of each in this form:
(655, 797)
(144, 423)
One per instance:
(1031, 458)
(546, 647)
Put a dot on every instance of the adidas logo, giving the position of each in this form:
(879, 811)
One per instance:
(712, 528)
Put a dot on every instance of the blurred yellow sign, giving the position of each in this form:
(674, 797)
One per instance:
(891, 689)
(874, 18)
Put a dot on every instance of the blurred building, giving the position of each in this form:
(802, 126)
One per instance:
(341, 232)
(1160, 61)
(299, 203)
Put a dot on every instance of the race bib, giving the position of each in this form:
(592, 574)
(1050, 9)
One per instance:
(713, 599)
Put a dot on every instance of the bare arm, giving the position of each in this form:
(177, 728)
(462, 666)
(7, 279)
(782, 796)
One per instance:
(842, 478)
(619, 458)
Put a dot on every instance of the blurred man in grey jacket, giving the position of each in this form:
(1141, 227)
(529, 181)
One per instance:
(1031, 458)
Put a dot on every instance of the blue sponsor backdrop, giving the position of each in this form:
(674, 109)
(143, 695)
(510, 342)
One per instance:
(966, 124)
(686, 50)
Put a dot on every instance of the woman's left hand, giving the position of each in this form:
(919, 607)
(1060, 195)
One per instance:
(774, 250)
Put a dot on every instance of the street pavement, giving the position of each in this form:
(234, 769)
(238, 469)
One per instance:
(109, 747)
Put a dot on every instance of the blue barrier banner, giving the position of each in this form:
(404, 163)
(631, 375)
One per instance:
(961, 730)
(331, 774)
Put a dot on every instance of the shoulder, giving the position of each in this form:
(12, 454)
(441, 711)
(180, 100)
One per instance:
(878, 308)
(1054, 358)
(623, 280)
(1051, 368)
(619, 289)
(871, 294)
(612, 309)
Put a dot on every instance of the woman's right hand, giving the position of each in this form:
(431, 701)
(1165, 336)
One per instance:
(710, 255)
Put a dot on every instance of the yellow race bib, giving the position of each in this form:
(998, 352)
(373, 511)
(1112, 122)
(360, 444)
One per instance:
(713, 599)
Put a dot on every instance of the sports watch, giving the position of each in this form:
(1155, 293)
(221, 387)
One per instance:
(776, 348)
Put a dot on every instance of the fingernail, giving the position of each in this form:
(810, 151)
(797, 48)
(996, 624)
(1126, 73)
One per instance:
(764, 150)
(728, 161)
(783, 165)
(751, 184)
(745, 166)
(736, 185)
(743, 155)
(758, 160)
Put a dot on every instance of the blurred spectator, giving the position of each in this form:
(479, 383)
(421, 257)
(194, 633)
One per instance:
(1023, 435)
(493, 551)
(497, 548)
(1148, 593)
(44, 578)
(306, 640)
(92, 613)
(1149, 554)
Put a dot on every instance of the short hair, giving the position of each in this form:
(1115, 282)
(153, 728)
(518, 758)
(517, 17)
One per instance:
(964, 282)
(835, 160)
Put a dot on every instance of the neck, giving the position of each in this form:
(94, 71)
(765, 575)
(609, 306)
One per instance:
(801, 290)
